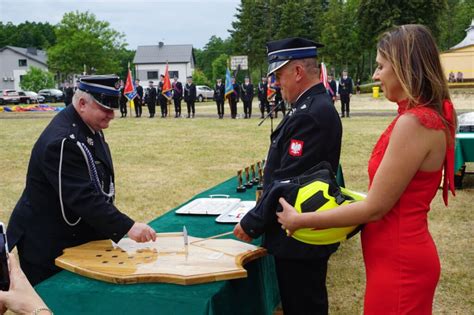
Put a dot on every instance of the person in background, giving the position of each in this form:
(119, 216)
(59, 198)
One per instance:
(234, 99)
(405, 171)
(332, 90)
(162, 100)
(262, 96)
(68, 93)
(190, 96)
(138, 99)
(219, 93)
(123, 100)
(177, 96)
(345, 92)
(150, 99)
(247, 97)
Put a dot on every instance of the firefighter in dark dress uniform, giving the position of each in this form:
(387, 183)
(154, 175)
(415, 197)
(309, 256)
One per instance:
(162, 100)
(219, 94)
(177, 96)
(262, 96)
(345, 92)
(150, 99)
(190, 96)
(123, 100)
(69, 195)
(234, 99)
(138, 99)
(247, 97)
(332, 90)
(311, 133)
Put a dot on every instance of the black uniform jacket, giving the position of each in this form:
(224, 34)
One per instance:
(37, 221)
(140, 91)
(177, 90)
(345, 86)
(189, 92)
(247, 92)
(236, 95)
(161, 97)
(262, 91)
(311, 134)
(150, 96)
(219, 92)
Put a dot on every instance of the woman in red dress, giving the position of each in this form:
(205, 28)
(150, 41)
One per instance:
(405, 170)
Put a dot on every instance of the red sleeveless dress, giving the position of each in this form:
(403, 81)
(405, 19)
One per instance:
(401, 260)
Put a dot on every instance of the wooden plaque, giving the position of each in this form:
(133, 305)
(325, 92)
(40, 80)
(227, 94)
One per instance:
(165, 260)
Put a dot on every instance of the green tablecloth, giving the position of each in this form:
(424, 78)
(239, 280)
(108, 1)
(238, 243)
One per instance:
(464, 150)
(68, 293)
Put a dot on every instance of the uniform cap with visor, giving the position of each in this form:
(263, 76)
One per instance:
(103, 88)
(281, 52)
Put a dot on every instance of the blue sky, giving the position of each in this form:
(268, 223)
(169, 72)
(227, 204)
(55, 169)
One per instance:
(144, 22)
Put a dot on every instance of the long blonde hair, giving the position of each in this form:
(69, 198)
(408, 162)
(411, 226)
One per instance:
(412, 51)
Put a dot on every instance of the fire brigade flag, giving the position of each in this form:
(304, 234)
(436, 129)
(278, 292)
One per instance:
(167, 90)
(271, 87)
(229, 88)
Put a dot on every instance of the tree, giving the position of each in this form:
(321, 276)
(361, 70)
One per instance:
(219, 66)
(36, 79)
(212, 50)
(27, 34)
(453, 23)
(376, 16)
(83, 40)
(199, 78)
(290, 21)
(340, 37)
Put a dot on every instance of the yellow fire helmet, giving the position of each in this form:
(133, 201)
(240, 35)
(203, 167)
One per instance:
(315, 197)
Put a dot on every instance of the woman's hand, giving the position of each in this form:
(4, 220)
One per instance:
(288, 217)
(21, 298)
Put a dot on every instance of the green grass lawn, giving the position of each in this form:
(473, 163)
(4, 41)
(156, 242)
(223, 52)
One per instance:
(160, 163)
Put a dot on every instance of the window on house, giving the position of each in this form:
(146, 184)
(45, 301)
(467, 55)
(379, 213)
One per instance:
(22, 63)
(173, 74)
(152, 75)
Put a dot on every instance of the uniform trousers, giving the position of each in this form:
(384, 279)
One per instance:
(302, 285)
(345, 101)
(177, 106)
(138, 106)
(164, 107)
(248, 108)
(220, 107)
(191, 107)
(233, 108)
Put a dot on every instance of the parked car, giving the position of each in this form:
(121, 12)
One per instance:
(30, 97)
(9, 97)
(52, 95)
(204, 92)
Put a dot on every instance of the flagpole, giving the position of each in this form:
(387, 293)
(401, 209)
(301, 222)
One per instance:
(168, 101)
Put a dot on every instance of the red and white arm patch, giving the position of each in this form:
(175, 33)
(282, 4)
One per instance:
(296, 147)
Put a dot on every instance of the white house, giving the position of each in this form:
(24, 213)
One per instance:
(16, 61)
(150, 62)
